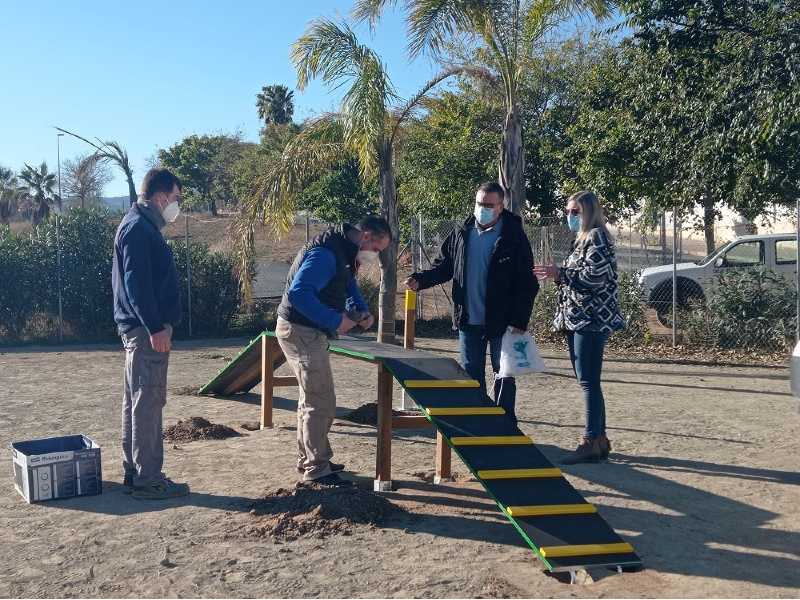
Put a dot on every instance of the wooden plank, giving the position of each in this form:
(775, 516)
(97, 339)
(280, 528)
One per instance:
(410, 422)
(288, 381)
(519, 473)
(444, 458)
(383, 456)
(585, 550)
(465, 411)
(544, 510)
(441, 383)
(492, 440)
(267, 387)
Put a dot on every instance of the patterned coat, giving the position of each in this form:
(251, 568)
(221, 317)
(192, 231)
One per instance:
(588, 293)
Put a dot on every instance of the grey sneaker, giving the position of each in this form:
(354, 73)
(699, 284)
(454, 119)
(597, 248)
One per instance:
(161, 490)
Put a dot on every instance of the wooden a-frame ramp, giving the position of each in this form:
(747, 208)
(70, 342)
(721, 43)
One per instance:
(565, 531)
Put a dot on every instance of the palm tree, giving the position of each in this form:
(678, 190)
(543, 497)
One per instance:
(507, 34)
(39, 193)
(10, 194)
(275, 104)
(114, 153)
(367, 126)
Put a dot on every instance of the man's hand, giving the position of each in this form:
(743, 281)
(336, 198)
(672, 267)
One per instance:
(346, 325)
(545, 272)
(412, 284)
(162, 341)
(366, 322)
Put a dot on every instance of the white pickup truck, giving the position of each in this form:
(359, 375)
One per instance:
(775, 252)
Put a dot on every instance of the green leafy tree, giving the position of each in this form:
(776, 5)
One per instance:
(339, 195)
(507, 33)
(205, 165)
(366, 126)
(275, 104)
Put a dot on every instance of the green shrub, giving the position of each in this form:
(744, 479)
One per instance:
(752, 308)
(215, 293)
(20, 274)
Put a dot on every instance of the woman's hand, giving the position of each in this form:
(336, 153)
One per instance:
(545, 271)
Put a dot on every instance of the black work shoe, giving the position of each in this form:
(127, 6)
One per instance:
(332, 480)
(335, 468)
(127, 483)
(588, 451)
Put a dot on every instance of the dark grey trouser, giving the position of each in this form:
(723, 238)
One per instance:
(142, 407)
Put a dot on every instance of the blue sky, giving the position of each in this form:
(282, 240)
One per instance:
(149, 73)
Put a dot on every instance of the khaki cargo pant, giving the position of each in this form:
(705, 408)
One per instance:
(143, 403)
(306, 351)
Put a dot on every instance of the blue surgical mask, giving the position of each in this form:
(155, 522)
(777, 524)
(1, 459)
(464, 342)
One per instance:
(574, 223)
(484, 215)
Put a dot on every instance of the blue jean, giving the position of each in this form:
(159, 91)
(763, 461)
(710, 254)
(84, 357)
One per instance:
(472, 342)
(586, 354)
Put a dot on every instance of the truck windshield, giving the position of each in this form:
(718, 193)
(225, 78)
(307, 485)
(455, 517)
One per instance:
(712, 256)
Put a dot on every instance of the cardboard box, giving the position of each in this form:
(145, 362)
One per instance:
(60, 467)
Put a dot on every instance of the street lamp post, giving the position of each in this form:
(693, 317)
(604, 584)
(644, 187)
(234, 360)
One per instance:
(58, 246)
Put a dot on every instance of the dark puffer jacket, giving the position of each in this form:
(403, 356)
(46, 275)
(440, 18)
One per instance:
(511, 287)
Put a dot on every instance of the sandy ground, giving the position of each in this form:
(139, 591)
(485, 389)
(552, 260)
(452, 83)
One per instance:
(704, 482)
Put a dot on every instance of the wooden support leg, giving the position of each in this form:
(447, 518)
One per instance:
(443, 460)
(410, 331)
(267, 379)
(383, 464)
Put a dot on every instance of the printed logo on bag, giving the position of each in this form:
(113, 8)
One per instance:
(521, 348)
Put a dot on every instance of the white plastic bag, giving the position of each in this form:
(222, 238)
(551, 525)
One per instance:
(519, 355)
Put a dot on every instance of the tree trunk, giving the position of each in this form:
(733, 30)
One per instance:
(388, 258)
(512, 162)
(132, 196)
(709, 217)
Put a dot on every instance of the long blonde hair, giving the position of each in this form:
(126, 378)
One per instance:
(592, 215)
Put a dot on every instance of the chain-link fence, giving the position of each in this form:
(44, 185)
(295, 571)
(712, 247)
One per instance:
(741, 295)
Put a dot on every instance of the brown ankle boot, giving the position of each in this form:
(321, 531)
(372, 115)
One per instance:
(588, 451)
(605, 446)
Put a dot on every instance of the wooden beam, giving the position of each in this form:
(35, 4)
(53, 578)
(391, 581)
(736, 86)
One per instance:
(288, 381)
(383, 459)
(444, 458)
(267, 379)
(410, 422)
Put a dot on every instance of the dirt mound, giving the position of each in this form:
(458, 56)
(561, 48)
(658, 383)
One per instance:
(187, 390)
(198, 428)
(316, 511)
(367, 414)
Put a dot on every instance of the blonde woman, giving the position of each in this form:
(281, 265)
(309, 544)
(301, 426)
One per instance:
(588, 313)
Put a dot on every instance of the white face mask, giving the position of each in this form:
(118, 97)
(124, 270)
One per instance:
(171, 212)
(367, 257)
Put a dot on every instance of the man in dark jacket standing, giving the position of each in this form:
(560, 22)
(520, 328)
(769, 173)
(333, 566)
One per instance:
(490, 261)
(322, 300)
(146, 307)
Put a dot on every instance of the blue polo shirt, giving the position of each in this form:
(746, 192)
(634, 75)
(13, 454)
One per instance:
(479, 253)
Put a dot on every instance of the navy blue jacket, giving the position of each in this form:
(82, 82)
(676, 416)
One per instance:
(144, 276)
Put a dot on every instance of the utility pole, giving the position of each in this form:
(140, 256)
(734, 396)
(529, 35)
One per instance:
(58, 246)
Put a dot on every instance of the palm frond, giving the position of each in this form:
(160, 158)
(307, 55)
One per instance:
(370, 10)
(272, 204)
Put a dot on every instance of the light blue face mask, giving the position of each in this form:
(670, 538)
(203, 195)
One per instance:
(574, 223)
(484, 215)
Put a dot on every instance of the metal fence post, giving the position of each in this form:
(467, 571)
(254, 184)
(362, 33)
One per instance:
(188, 272)
(674, 276)
(420, 242)
(797, 275)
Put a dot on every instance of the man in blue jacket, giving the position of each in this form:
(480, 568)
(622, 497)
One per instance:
(322, 300)
(146, 307)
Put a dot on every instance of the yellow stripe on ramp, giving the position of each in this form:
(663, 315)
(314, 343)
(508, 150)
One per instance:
(546, 510)
(585, 550)
(492, 440)
(465, 411)
(441, 383)
(519, 473)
